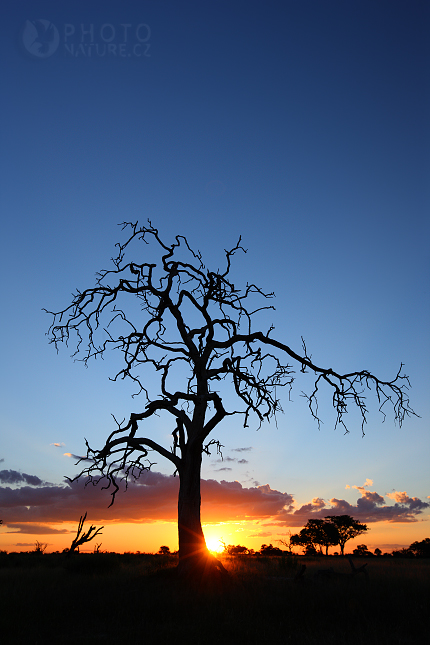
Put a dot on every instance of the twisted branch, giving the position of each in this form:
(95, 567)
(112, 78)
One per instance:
(194, 323)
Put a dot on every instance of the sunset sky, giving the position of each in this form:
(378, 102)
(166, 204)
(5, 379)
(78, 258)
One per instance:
(302, 126)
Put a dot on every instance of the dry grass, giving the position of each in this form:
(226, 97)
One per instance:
(137, 598)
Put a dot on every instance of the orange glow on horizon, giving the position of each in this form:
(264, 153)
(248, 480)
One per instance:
(147, 537)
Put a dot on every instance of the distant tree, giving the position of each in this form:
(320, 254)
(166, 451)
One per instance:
(377, 552)
(269, 549)
(303, 539)
(316, 534)
(329, 535)
(287, 542)
(238, 549)
(347, 527)
(39, 548)
(81, 537)
(362, 550)
(402, 553)
(193, 324)
(164, 550)
(310, 549)
(420, 549)
(322, 534)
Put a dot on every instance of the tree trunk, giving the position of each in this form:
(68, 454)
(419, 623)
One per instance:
(195, 561)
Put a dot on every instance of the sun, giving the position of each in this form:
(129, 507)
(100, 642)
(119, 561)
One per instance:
(214, 545)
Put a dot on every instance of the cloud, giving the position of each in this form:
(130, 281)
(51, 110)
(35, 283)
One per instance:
(77, 457)
(154, 497)
(58, 445)
(14, 477)
(218, 470)
(230, 459)
(367, 483)
(400, 498)
(262, 534)
(370, 507)
(35, 529)
(241, 449)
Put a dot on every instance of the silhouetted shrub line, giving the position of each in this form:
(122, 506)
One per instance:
(140, 598)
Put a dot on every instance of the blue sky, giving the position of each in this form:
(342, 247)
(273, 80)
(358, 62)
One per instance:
(303, 127)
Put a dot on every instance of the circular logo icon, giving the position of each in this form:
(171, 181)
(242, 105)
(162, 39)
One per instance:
(40, 38)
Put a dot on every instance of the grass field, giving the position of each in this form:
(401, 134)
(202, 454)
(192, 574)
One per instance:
(130, 598)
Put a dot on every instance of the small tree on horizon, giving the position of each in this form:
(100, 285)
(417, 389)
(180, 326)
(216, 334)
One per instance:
(39, 548)
(192, 325)
(362, 550)
(235, 549)
(348, 528)
(269, 549)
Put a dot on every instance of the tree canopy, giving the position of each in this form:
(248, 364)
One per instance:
(194, 329)
(332, 531)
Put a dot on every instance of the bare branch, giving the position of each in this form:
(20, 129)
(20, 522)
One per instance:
(191, 323)
(81, 538)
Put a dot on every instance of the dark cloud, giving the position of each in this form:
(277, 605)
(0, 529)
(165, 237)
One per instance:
(230, 459)
(241, 449)
(370, 507)
(35, 529)
(14, 477)
(218, 470)
(154, 497)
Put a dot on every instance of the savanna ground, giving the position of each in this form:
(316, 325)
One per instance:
(131, 598)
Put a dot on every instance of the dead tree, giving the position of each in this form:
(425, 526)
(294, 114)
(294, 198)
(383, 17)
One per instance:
(81, 538)
(194, 324)
(39, 548)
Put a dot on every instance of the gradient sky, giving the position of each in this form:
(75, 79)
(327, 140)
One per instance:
(302, 126)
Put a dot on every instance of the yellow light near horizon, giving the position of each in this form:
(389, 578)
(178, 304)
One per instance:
(214, 545)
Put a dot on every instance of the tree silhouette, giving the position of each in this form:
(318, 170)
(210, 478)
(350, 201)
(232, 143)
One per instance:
(420, 549)
(39, 548)
(192, 323)
(269, 549)
(362, 550)
(316, 533)
(348, 528)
